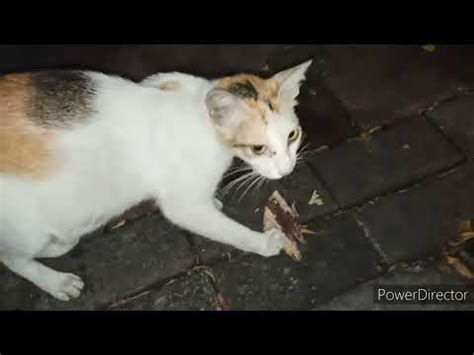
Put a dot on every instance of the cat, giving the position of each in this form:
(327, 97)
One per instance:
(78, 148)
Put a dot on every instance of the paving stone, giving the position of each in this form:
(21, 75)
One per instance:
(142, 209)
(337, 259)
(456, 118)
(415, 223)
(191, 292)
(296, 188)
(379, 83)
(323, 117)
(423, 275)
(208, 252)
(362, 169)
(111, 265)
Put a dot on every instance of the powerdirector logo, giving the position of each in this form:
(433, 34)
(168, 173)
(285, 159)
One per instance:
(424, 294)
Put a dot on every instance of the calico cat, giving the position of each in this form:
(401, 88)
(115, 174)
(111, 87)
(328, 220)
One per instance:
(78, 148)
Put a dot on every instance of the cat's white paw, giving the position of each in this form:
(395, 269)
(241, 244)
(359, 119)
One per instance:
(65, 286)
(218, 204)
(274, 240)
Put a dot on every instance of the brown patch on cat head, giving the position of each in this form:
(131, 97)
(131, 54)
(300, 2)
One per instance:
(260, 94)
(25, 147)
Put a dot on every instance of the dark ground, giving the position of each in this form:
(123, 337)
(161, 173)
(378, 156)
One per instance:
(395, 130)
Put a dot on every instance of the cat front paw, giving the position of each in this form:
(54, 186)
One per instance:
(65, 286)
(273, 241)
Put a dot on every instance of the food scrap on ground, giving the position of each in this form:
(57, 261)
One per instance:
(278, 214)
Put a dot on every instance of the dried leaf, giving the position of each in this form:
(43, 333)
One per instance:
(463, 237)
(293, 207)
(453, 251)
(307, 231)
(119, 224)
(315, 199)
(291, 248)
(459, 266)
(278, 214)
(429, 47)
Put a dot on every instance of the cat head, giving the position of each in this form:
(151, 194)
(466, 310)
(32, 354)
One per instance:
(255, 117)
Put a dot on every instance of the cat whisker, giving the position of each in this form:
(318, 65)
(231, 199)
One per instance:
(236, 171)
(225, 189)
(249, 187)
(259, 185)
(241, 182)
(307, 152)
(248, 179)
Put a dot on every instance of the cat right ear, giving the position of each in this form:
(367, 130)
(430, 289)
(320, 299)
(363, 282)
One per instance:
(219, 104)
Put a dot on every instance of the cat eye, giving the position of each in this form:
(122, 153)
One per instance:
(294, 134)
(258, 149)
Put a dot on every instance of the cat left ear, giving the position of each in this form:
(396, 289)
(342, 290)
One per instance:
(290, 81)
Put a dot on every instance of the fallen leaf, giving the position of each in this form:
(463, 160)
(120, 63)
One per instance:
(292, 250)
(293, 207)
(454, 253)
(315, 199)
(459, 266)
(278, 214)
(463, 237)
(119, 224)
(305, 230)
(429, 47)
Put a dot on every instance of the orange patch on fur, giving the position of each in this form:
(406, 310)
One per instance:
(24, 147)
(267, 89)
(169, 86)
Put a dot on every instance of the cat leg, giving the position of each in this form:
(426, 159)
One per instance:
(62, 286)
(56, 247)
(206, 220)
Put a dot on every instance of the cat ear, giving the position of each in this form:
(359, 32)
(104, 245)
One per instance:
(220, 103)
(290, 80)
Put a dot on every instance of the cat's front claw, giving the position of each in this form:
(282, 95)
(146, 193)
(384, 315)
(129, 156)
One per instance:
(273, 241)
